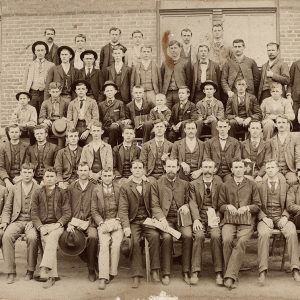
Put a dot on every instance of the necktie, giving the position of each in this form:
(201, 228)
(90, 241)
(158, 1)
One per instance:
(242, 100)
(207, 187)
(273, 186)
(81, 103)
(89, 72)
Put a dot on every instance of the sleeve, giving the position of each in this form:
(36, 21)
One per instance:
(292, 78)
(284, 76)
(123, 208)
(224, 78)
(58, 165)
(291, 202)
(193, 203)
(157, 212)
(43, 112)
(288, 110)
(66, 209)
(8, 207)
(229, 111)
(255, 203)
(256, 76)
(94, 208)
(49, 79)
(34, 211)
(101, 58)
(256, 113)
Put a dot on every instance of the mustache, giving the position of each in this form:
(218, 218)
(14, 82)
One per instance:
(208, 172)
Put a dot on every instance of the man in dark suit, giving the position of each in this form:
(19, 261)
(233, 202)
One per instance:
(92, 75)
(203, 202)
(237, 67)
(242, 108)
(204, 69)
(134, 208)
(16, 220)
(106, 57)
(169, 197)
(50, 212)
(52, 54)
(12, 156)
(239, 202)
(189, 152)
(223, 150)
(42, 153)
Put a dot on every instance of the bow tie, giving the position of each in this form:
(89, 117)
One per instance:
(203, 62)
(223, 139)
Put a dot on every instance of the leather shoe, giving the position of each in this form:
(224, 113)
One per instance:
(44, 273)
(50, 281)
(262, 278)
(296, 275)
(194, 278)
(92, 275)
(102, 284)
(165, 280)
(28, 276)
(155, 276)
(228, 282)
(10, 278)
(219, 279)
(136, 282)
(186, 278)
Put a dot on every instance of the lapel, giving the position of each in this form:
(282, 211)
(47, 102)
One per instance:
(68, 154)
(46, 150)
(135, 192)
(186, 107)
(166, 146)
(44, 196)
(19, 194)
(247, 145)
(182, 144)
(145, 191)
(288, 142)
(101, 198)
(263, 71)
(201, 189)
(228, 143)
(214, 187)
(35, 150)
(123, 72)
(60, 70)
(260, 146)
(247, 102)
(217, 146)
(8, 152)
(283, 192)
(113, 72)
(235, 104)
(93, 73)
(264, 188)
(61, 106)
(87, 104)
(121, 154)
(77, 104)
(275, 62)
(132, 151)
(153, 147)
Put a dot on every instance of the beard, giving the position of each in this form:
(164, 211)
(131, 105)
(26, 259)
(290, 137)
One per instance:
(171, 175)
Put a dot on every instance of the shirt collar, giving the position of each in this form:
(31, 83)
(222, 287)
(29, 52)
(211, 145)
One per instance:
(223, 138)
(136, 182)
(109, 186)
(126, 145)
(239, 181)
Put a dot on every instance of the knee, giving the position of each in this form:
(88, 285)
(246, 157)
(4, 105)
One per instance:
(186, 236)
(199, 236)
(32, 238)
(215, 235)
(263, 234)
(7, 237)
(227, 239)
(167, 238)
(93, 236)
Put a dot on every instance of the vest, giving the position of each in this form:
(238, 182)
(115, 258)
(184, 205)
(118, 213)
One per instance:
(281, 157)
(25, 207)
(224, 169)
(97, 164)
(67, 83)
(40, 167)
(173, 85)
(15, 160)
(51, 218)
(158, 167)
(126, 164)
(273, 204)
(110, 204)
(242, 110)
(142, 212)
(191, 158)
(146, 77)
(118, 79)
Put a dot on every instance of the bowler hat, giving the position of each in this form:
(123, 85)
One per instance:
(108, 83)
(25, 93)
(39, 43)
(126, 246)
(72, 243)
(59, 127)
(88, 52)
(76, 82)
(61, 48)
(209, 82)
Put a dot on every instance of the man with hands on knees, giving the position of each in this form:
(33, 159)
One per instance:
(274, 215)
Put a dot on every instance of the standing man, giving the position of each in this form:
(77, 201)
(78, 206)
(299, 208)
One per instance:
(50, 212)
(16, 221)
(37, 73)
(273, 215)
(134, 208)
(223, 150)
(239, 67)
(106, 57)
(80, 43)
(188, 51)
(239, 202)
(203, 202)
(51, 56)
(134, 53)
(274, 70)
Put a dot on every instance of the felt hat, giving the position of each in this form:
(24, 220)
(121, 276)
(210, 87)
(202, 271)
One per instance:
(108, 83)
(126, 246)
(72, 243)
(209, 82)
(25, 93)
(76, 82)
(88, 52)
(61, 48)
(39, 43)
(59, 127)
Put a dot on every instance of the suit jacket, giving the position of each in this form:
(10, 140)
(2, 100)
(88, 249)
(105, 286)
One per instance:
(5, 158)
(149, 154)
(163, 192)
(294, 85)
(56, 74)
(111, 114)
(212, 73)
(291, 153)
(196, 195)
(213, 151)
(217, 108)
(128, 202)
(130, 110)
(192, 57)
(91, 112)
(106, 56)
(189, 112)
(293, 200)
(52, 55)
(182, 74)
(119, 157)
(39, 207)
(252, 107)
(98, 208)
(263, 192)
(264, 154)
(87, 155)
(50, 151)
(250, 73)
(47, 110)
(109, 73)
(155, 76)
(3, 197)
(96, 82)
(63, 163)
(281, 74)
(13, 204)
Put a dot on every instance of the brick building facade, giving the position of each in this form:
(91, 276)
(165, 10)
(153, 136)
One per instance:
(24, 21)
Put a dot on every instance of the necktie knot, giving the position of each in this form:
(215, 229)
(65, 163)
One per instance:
(81, 103)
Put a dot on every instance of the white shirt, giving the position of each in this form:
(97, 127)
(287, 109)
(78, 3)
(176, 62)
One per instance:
(78, 63)
(191, 144)
(276, 183)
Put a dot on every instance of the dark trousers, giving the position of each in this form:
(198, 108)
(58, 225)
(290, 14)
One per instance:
(37, 98)
(137, 232)
(172, 98)
(296, 107)
(114, 134)
(212, 126)
(144, 131)
(167, 249)
(236, 129)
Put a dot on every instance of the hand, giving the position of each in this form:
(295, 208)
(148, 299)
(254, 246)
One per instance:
(290, 99)
(164, 223)
(186, 168)
(232, 210)
(268, 222)
(43, 230)
(197, 225)
(84, 135)
(196, 174)
(8, 183)
(184, 209)
(242, 210)
(258, 179)
(94, 176)
(70, 228)
(269, 73)
(126, 122)
(239, 120)
(127, 232)
(282, 222)
(247, 121)
(164, 156)
(210, 119)
(230, 94)
(47, 122)
(63, 185)
(17, 179)
(29, 226)
(3, 226)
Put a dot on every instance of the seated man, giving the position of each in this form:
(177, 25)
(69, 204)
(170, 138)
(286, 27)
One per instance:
(223, 150)
(273, 215)
(80, 196)
(210, 109)
(182, 112)
(112, 113)
(12, 156)
(285, 147)
(170, 199)
(105, 200)
(137, 113)
(67, 160)
(241, 109)
(82, 112)
(203, 202)
(50, 212)
(239, 202)
(16, 221)
(134, 208)
(256, 150)
(274, 106)
(189, 152)
(42, 154)
(293, 204)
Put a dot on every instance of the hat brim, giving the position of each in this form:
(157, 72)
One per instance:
(89, 52)
(75, 83)
(72, 251)
(61, 48)
(110, 84)
(39, 43)
(56, 133)
(209, 83)
(25, 93)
